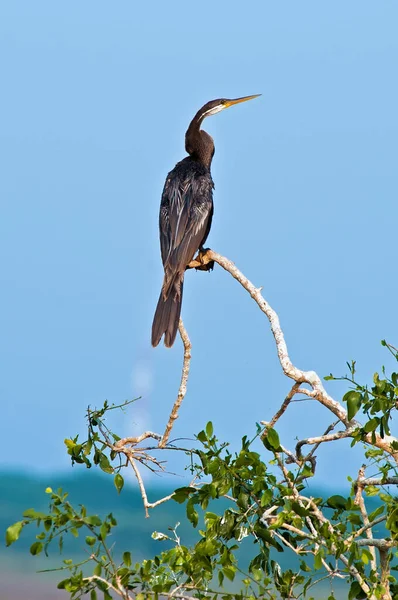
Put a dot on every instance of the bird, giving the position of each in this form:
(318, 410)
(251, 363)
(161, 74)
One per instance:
(185, 216)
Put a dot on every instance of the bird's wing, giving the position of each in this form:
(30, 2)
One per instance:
(164, 222)
(189, 209)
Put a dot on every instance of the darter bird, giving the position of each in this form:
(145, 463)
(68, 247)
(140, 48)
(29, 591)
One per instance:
(186, 212)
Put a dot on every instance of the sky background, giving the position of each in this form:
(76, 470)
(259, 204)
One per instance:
(96, 97)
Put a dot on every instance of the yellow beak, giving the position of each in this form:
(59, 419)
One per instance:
(229, 103)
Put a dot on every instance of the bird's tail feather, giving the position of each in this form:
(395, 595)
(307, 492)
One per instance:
(167, 315)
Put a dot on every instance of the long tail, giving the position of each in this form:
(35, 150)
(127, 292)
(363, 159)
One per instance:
(167, 314)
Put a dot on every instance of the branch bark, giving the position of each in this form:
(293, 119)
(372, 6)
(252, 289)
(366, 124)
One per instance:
(359, 501)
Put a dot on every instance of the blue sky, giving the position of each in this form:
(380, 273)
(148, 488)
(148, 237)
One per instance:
(96, 98)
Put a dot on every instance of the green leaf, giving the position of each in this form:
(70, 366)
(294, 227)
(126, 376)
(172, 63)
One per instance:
(299, 510)
(366, 557)
(202, 437)
(376, 513)
(318, 561)
(266, 498)
(243, 500)
(93, 595)
(88, 447)
(336, 501)
(127, 558)
(229, 572)
(104, 531)
(355, 591)
(93, 520)
(90, 540)
(353, 400)
(304, 567)
(105, 464)
(220, 578)
(119, 482)
(371, 490)
(273, 438)
(13, 531)
(36, 548)
(192, 514)
(371, 425)
(69, 443)
(181, 494)
(209, 429)
(31, 513)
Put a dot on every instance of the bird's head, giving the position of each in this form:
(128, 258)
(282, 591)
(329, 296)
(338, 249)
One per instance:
(198, 143)
(215, 106)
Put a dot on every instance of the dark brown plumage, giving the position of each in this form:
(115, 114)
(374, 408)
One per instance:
(186, 212)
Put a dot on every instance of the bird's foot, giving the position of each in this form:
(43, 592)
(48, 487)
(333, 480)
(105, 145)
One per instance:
(202, 262)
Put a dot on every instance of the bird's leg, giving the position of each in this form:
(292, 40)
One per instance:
(206, 263)
(201, 262)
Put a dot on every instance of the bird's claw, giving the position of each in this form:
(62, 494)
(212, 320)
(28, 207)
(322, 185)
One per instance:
(201, 262)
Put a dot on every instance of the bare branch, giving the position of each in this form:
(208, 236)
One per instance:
(365, 527)
(133, 441)
(385, 572)
(359, 501)
(379, 481)
(382, 544)
(310, 377)
(338, 435)
(141, 485)
(310, 455)
(119, 592)
(285, 404)
(183, 385)
(284, 541)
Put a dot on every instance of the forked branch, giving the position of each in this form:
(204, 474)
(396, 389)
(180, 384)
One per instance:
(311, 378)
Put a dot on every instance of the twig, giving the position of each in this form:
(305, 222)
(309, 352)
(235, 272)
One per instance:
(108, 584)
(365, 527)
(183, 385)
(284, 541)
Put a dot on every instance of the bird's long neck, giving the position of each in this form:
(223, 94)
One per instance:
(198, 143)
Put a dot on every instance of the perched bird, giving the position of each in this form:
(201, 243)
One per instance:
(186, 212)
